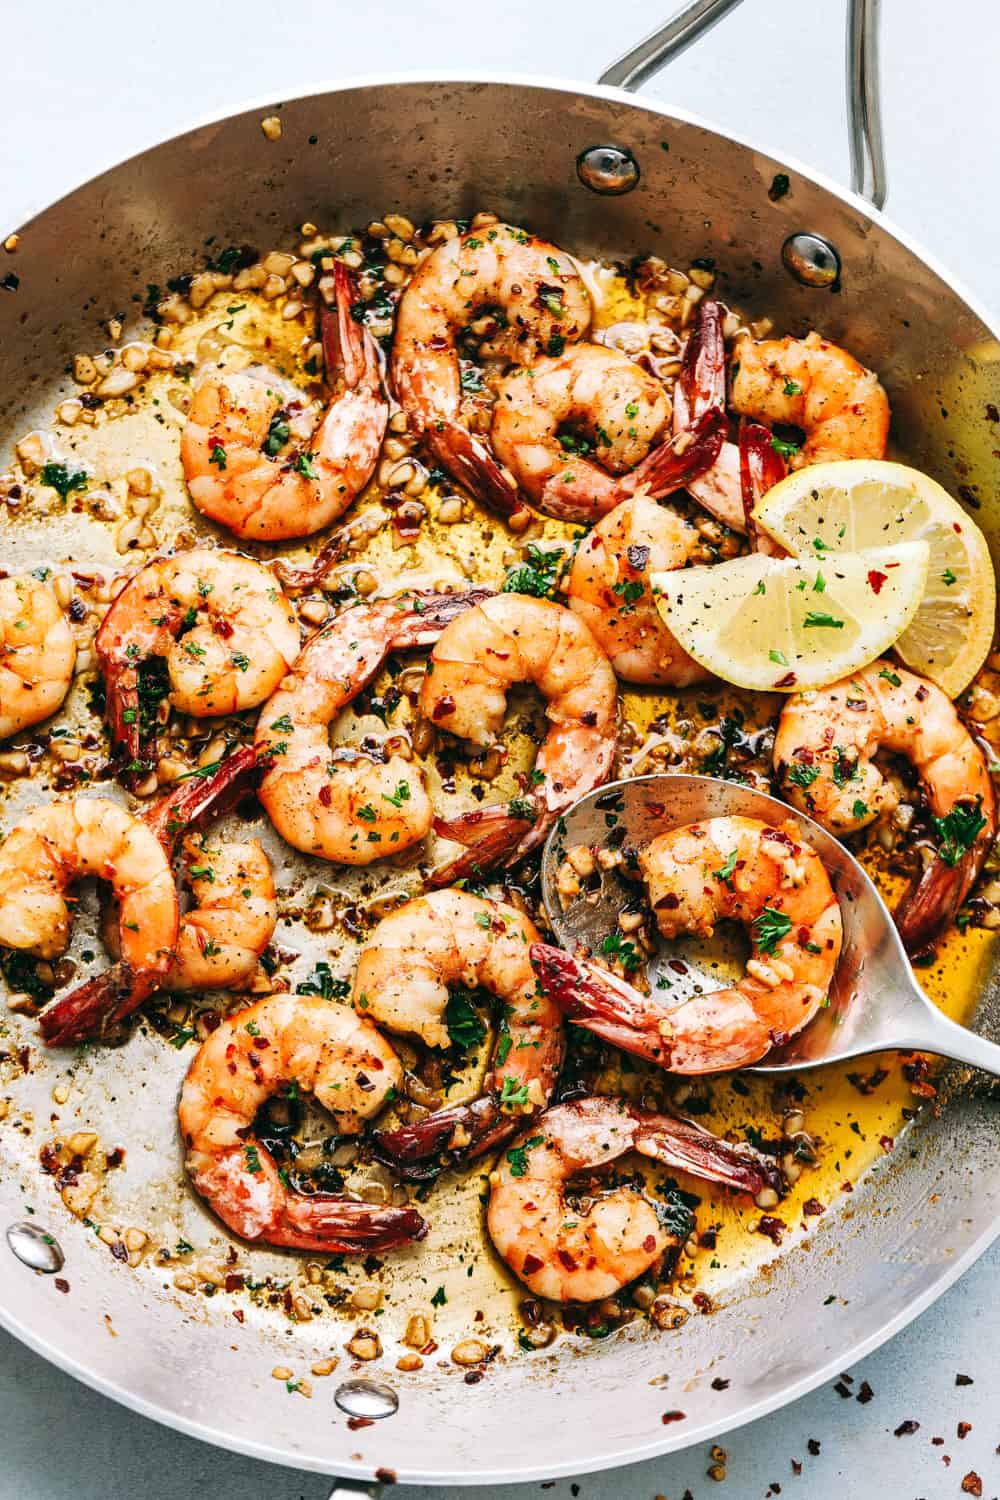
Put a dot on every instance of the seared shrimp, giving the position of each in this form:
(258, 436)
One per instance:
(37, 654)
(609, 588)
(507, 639)
(232, 917)
(565, 1238)
(302, 1043)
(55, 845)
(812, 384)
(346, 805)
(612, 410)
(403, 977)
(824, 758)
(523, 294)
(696, 876)
(241, 461)
(223, 627)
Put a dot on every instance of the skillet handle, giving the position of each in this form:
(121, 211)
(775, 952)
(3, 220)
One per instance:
(864, 114)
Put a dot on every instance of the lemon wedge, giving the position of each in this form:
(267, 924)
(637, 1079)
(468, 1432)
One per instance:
(861, 503)
(781, 624)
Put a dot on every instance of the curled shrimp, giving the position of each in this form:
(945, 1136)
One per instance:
(222, 626)
(37, 654)
(404, 972)
(810, 383)
(63, 841)
(241, 461)
(523, 295)
(723, 868)
(824, 753)
(347, 805)
(609, 588)
(215, 938)
(506, 639)
(617, 441)
(563, 1236)
(317, 1047)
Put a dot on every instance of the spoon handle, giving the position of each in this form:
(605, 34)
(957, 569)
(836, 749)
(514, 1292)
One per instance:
(931, 1031)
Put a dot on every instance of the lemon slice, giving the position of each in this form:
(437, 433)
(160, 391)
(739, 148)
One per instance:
(863, 503)
(780, 624)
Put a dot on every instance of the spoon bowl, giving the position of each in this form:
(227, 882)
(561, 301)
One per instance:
(875, 1003)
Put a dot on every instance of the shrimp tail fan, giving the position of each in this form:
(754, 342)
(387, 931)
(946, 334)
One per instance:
(94, 1006)
(674, 463)
(345, 1227)
(608, 1006)
(414, 1151)
(688, 1147)
(491, 835)
(470, 462)
(935, 897)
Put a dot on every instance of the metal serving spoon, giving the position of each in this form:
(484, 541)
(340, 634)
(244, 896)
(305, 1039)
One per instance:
(875, 1005)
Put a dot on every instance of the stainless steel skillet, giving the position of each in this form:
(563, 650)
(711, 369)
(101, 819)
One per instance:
(451, 145)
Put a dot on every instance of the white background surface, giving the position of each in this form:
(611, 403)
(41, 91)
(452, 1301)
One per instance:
(85, 84)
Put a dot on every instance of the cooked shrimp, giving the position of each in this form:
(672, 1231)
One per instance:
(523, 295)
(62, 841)
(812, 384)
(231, 920)
(241, 460)
(612, 410)
(402, 982)
(214, 945)
(609, 588)
(507, 639)
(37, 654)
(320, 1048)
(696, 876)
(565, 1238)
(347, 805)
(824, 758)
(224, 629)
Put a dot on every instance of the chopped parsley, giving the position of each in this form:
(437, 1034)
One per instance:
(322, 982)
(786, 449)
(539, 576)
(304, 465)
(816, 620)
(218, 456)
(59, 477)
(253, 1160)
(725, 872)
(465, 1026)
(958, 831)
(769, 929)
(439, 1298)
(277, 434)
(892, 678)
(517, 1156)
(622, 950)
(801, 775)
(514, 1092)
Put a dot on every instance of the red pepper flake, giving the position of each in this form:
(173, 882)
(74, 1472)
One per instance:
(886, 1142)
(787, 681)
(719, 1384)
(532, 1263)
(937, 1442)
(963, 1429)
(796, 1466)
(876, 580)
(702, 1303)
(867, 1083)
(813, 1207)
(772, 1227)
(61, 1284)
(354, 1423)
(813, 1445)
(649, 1243)
(672, 1416)
(963, 1380)
(238, 1314)
(865, 1393)
(843, 1391)
(906, 1428)
(972, 1484)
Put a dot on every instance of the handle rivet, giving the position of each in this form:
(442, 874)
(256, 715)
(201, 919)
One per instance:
(811, 259)
(609, 170)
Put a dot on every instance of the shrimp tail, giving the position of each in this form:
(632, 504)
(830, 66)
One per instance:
(761, 468)
(348, 347)
(345, 1227)
(935, 897)
(91, 1008)
(475, 467)
(414, 1151)
(209, 789)
(606, 1005)
(491, 835)
(703, 365)
(683, 458)
(428, 614)
(690, 1148)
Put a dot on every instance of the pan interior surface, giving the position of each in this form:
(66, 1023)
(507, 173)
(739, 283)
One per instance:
(879, 1253)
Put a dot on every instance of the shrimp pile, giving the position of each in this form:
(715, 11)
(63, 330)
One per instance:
(485, 357)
